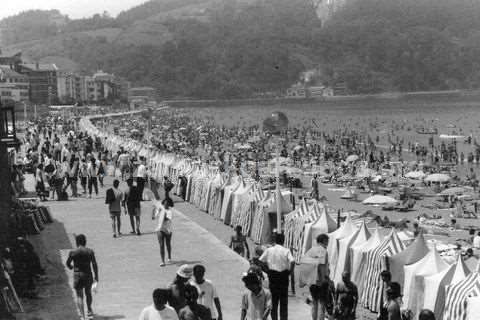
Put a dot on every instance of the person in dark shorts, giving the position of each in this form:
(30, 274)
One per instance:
(82, 261)
(132, 200)
(238, 243)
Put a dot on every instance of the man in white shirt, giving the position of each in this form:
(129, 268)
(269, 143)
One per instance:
(207, 294)
(280, 262)
(476, 241)
(141, 176)
(159, 310)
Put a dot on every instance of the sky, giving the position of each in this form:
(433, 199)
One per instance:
(73, 8)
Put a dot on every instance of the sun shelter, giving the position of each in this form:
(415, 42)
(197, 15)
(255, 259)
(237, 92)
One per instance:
(376, 263)
(413, 286)
(346, 229)
(343, 260)
(437, 177)
(413, 253)
(379, 199)
(458, 295)
(358, 257)
(434, 289)
(324, 224)
(265, 216)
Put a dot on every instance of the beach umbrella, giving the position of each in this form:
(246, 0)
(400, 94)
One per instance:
(367, 173)
(379, 199)
(240, 146)
(452, 191)
(451, 136)
(298, 148)
(352, 158)
(437, 177)
(415, 175)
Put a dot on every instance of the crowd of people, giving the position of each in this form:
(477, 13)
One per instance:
(61, 158)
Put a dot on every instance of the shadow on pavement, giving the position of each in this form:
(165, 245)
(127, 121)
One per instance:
(55, 298)
(182, 262)
(114, 317)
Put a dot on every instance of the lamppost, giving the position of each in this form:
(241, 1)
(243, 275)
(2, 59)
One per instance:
(275, 125)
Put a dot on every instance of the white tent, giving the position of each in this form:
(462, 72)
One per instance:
(434, 290)
(379, 199)
(357, 256)
(346, 229)
(324, 224)
(343, 260)
(431, 264)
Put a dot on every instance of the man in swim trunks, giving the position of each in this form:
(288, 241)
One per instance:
(82, 261)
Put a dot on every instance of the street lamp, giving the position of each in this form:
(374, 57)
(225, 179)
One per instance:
(275, 125)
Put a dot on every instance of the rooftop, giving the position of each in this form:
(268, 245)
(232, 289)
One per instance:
(5, 71)
(41, 66)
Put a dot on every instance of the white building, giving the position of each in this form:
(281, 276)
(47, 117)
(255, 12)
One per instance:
(13, 85)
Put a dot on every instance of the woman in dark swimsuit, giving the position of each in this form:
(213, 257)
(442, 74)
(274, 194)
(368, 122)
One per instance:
(238, 243)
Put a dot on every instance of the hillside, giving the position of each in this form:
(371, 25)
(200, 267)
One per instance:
(244, 48)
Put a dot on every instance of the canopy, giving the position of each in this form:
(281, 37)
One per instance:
(343, 258)
(457, 295)
(434, 290)
(437, 177)
(352, 158)
(413, 253)
(376, 263)
(379, 199)
(452, 191)
(346, 229)
(324, 224)
(431, 264)
(451, 136)
(415, 175)
(358, 258)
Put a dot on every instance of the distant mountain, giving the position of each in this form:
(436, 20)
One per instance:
(186, 48)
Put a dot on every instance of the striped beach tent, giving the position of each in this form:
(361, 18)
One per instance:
(413, 287)
(323, 224)
(413, 253)
(434, 286)
(358, 257)
(376, 263)
(347, 229)
(343, 258)
(458, 295)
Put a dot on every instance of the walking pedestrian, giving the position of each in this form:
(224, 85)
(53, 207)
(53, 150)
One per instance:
(163, 212)
(159, 310)
(114, 198)
(279, 261)
(321, 291)
(238, 243)
(82, 261)
(207, 292)
(83, 174)
(132, 199)
(391, 309)
(257, 301)
(193, 310)
(141, 176)
(177, 288)
(346, 298)
(92, 172)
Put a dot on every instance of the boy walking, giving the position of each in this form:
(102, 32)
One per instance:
(257, 301)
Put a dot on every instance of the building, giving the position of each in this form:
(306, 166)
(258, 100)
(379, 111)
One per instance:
(13, 85)
(43, 82)
(141, 96)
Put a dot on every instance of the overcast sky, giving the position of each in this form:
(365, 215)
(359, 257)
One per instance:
(73, 8)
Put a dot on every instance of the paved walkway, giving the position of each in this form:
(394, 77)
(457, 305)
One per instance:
(129, 265)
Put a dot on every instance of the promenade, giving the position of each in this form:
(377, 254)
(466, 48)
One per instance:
(129, 266)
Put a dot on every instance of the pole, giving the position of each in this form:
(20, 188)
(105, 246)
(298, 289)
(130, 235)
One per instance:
(278, 192)
(25, 114)
(35, 111)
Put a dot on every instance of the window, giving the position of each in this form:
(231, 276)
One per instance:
(23, 94)
(6, 93)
